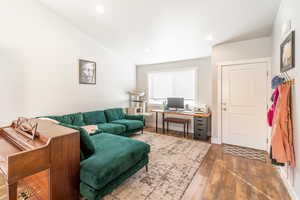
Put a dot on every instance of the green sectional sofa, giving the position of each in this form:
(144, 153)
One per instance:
(113, 121)
(107, 157)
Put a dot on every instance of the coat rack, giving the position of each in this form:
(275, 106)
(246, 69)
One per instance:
(287, 78)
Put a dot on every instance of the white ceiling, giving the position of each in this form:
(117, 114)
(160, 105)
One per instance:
(170, 29)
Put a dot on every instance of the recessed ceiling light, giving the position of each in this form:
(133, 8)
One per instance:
(100, 9)
(209, 38)
(147, 50)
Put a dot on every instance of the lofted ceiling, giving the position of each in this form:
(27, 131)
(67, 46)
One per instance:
(152, 31)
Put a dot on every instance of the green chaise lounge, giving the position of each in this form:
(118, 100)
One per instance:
(115, 159)
(107, 160)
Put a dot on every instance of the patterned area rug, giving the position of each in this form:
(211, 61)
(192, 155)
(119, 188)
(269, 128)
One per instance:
(172, 166)
(251, 154)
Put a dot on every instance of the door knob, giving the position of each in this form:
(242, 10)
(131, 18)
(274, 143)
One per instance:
(224, 109)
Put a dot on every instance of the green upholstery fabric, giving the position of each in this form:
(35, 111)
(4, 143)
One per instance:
(77, 119)
(94, 117)
(116, 129)
(113, 156)
(86, 144)
(93, 194)
(66, 119)
(114, 114)
(135, 117)
(72, 119)
(130, 124)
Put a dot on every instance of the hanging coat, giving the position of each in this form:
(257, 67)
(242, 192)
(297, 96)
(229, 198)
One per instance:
(271, 111)
(282, 133)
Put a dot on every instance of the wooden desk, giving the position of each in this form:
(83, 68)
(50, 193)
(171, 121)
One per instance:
(178, 113)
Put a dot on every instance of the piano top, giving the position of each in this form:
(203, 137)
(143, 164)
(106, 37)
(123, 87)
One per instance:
(49, 129)
(12, 142)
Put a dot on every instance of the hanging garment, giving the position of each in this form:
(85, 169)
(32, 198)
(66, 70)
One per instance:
(282, 133)
(271, 111)
(274, 161)
(276, 81)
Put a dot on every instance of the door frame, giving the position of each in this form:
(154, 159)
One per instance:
(266, 60)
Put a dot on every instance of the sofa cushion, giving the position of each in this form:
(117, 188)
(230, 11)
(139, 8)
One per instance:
(135, 117)
(86, 144)
(66, 119)
(94, 117)
(114, 114)
(130, 124)
(113, 156)
(72, 119)
(116, 129)
(77, 119)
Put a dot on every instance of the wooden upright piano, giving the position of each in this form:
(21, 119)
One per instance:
(57, 149)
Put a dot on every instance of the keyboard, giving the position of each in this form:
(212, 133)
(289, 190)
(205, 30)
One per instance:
(179, 111)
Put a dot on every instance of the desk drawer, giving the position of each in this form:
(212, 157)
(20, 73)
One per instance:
(201, 135)
(201, 119)
(200, 130)
(200, 124)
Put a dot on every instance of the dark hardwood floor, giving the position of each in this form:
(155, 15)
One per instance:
(219, 177)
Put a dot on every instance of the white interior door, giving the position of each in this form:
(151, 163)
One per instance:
(244, 105)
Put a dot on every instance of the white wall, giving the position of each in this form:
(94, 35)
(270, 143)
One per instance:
(12, 103)
(39, 65)
(204, 79)
(244, 50)
(289, 10)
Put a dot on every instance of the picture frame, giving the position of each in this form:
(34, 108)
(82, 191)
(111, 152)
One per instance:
(287, 53)
(87, 72)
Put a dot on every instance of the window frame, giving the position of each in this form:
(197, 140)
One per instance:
(196, 86)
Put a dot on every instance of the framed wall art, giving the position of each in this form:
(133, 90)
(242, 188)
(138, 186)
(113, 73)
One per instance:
(287, 53)
(87, 72)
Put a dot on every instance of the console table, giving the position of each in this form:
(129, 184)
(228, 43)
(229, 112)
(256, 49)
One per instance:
(202, 121)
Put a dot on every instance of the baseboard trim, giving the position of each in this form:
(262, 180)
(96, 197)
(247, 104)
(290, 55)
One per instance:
(289, 187)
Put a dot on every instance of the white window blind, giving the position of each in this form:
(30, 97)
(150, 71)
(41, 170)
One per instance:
(162, 85)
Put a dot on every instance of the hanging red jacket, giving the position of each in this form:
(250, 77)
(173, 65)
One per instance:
(271, 111)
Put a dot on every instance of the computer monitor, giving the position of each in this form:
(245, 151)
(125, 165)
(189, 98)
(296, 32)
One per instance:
(175, 102)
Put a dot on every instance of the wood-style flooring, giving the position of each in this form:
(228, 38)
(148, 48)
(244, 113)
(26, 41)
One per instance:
(225, 177)
(219, 177)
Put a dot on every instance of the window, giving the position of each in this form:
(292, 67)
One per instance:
(162, 85)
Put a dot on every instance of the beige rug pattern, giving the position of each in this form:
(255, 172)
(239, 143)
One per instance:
(172, 165)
